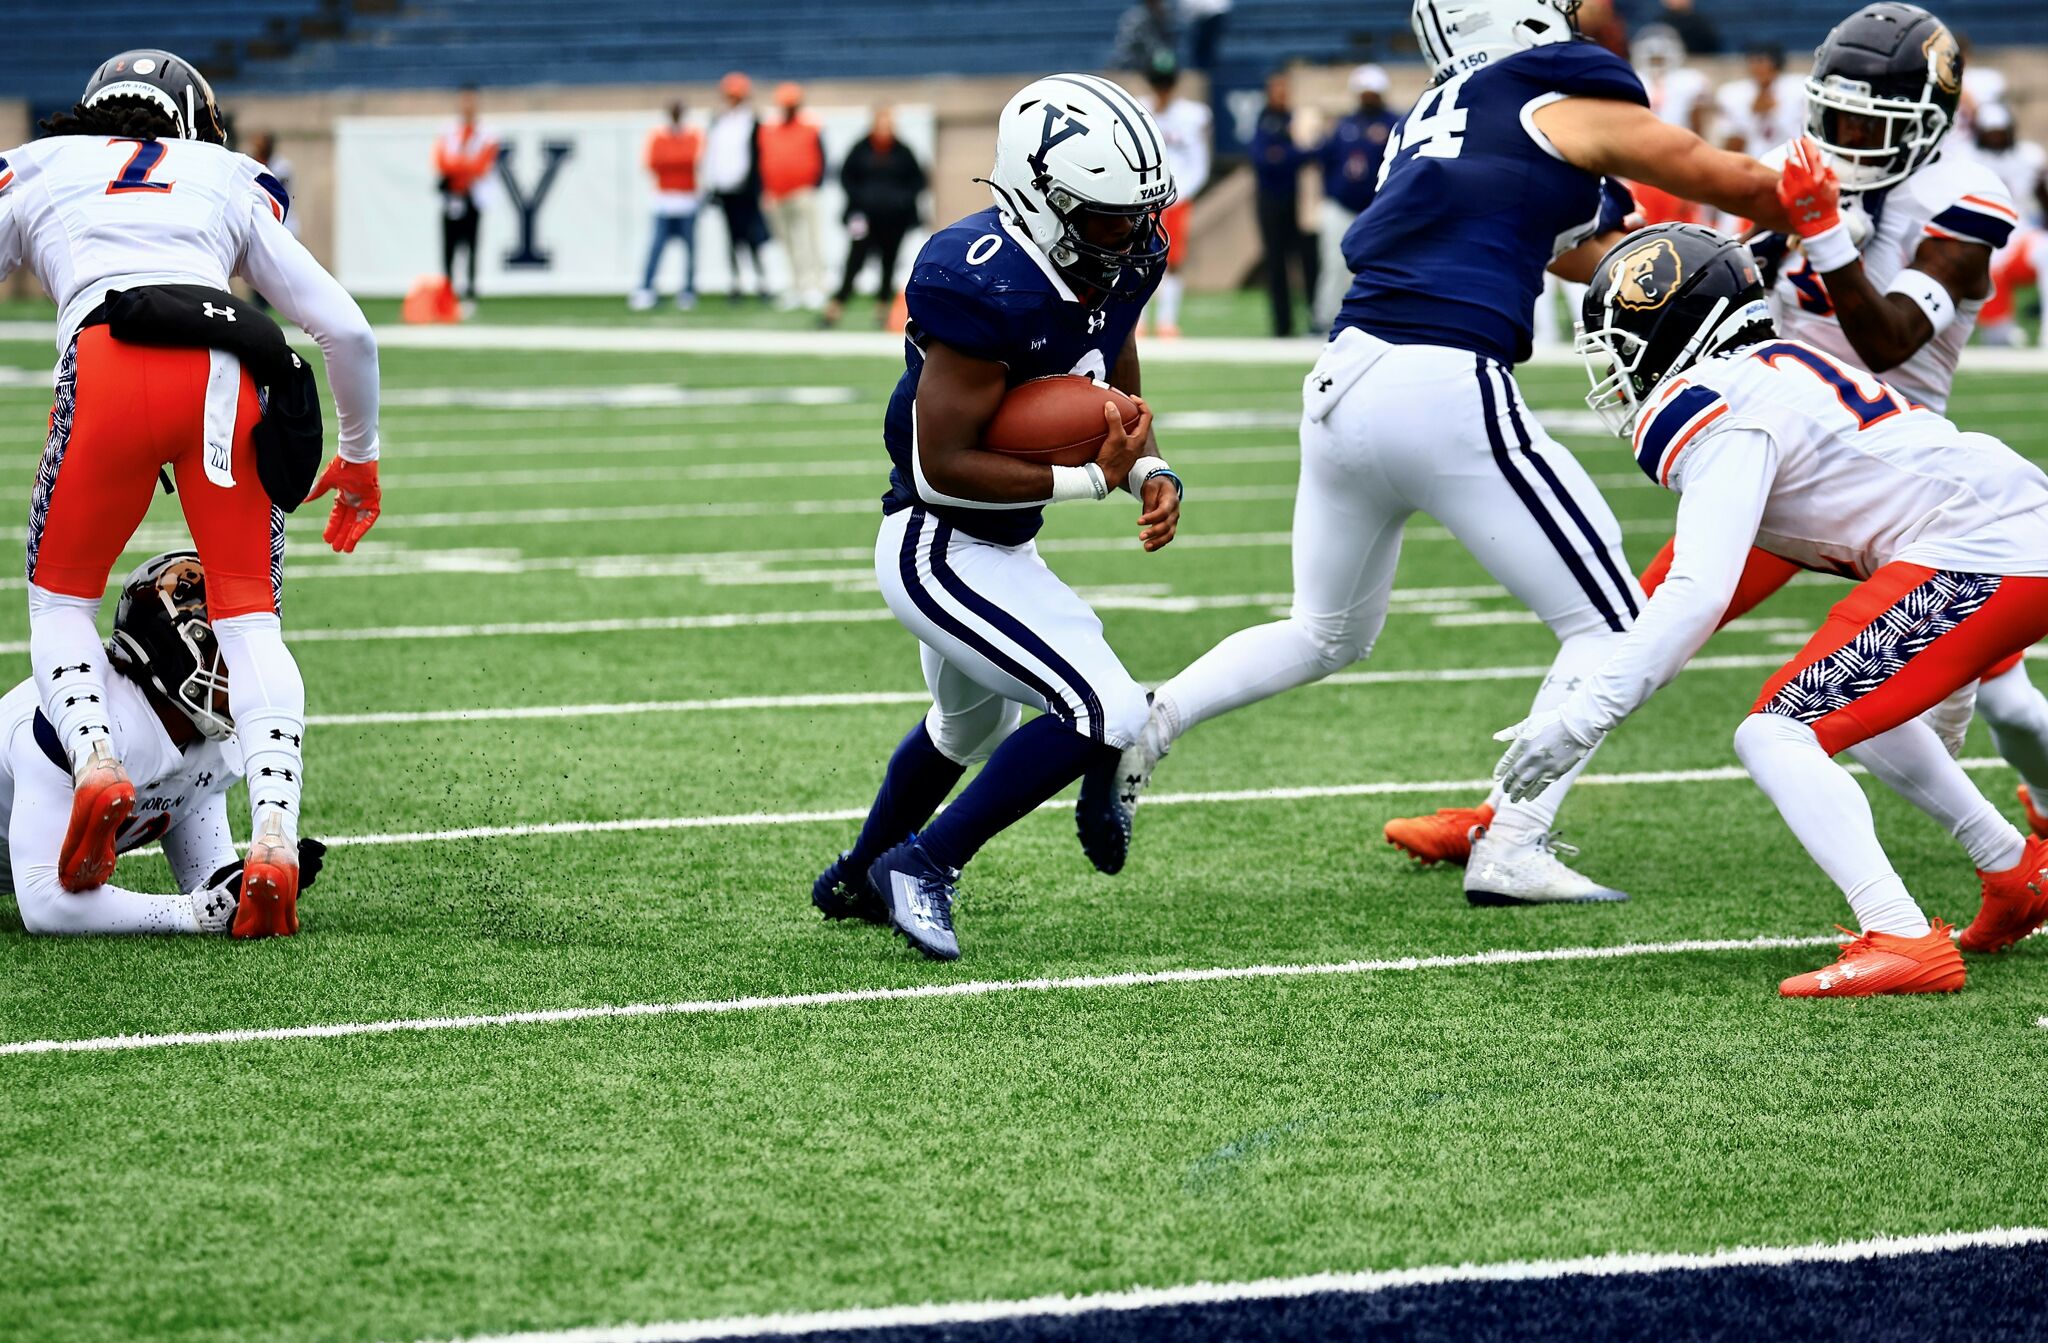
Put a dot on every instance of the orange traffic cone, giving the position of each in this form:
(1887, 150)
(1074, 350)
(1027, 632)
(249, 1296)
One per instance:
(899, 314)
(431, 299)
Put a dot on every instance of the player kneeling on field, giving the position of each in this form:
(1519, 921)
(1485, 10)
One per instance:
(1774, 442)
(1049, 280)
(167, 706)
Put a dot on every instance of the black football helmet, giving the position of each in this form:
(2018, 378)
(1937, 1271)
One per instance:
(162, 641)
(1883, 93)
(167, 81)
(1664, 298)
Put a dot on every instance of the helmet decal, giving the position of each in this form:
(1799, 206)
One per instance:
(1647, 277)
(1944, 59)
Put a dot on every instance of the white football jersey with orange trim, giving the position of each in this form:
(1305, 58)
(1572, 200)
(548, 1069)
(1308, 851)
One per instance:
(1864, 478)
(89, 214)
(1953, 198)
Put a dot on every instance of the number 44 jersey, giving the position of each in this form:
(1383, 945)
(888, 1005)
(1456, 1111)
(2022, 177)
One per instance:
(1474, 203)
(88, 214)
(1859, 476)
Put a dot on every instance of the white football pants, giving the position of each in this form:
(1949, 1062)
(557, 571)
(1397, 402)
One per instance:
(1392, 430)
(1000, 630)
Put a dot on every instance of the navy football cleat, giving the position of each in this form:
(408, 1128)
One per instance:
(1102, 817)
(918, 894)
(840, 894)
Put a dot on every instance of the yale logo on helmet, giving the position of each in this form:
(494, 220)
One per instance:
(1059, 125)
(1647, 277)
(1944, 59)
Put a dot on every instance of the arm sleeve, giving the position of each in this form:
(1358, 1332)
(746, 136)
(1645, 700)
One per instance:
(281, 268)
(200, 844)
(1727, 480)
(35, 833)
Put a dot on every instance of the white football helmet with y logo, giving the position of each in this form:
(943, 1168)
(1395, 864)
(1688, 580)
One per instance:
(1070, 146)
(1459, 35)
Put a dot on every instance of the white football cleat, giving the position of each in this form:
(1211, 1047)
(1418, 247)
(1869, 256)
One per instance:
(1529, 872)
(640, 300)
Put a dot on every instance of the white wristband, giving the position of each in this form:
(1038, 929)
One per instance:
(1831, 250)
(1078, 482)
(1143, 470)
(1928, 294)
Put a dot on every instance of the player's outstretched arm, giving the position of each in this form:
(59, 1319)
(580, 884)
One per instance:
(1618, 139)
(284, 272)
(1886, 328)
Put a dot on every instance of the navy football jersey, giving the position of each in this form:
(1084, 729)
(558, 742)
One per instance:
(984, 290)
(1472, 208)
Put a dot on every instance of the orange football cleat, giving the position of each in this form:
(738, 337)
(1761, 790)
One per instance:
(1875, 963)
(2036, 822)
(101, 798)
(269, 906)
(1445, 837)
(2015, 902)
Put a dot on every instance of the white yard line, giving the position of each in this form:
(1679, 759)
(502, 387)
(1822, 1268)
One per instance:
(967, 989)
(741, 703)
(938, 1317)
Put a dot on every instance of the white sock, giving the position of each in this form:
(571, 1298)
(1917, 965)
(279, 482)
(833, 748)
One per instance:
(2017, 715)
(1913, 762)
(1251, 665)
(268, 700)
(71, 668)
(1577, 658)
(1168, 300)
(1829, 815)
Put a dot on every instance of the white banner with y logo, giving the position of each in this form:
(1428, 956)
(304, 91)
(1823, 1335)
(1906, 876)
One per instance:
(571, 209)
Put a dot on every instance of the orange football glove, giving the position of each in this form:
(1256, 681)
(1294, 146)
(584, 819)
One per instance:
(1809, 191)
(357, 501)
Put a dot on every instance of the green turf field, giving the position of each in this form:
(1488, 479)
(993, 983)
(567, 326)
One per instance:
(1006, 1144)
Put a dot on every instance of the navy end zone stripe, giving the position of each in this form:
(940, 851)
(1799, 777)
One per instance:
(1665, 422)
(1527, 494)
(282, 201)
(1601, 550)
(1976, 219)
(1062, 704)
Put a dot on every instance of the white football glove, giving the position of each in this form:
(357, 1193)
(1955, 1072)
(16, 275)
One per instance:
(1541, 751)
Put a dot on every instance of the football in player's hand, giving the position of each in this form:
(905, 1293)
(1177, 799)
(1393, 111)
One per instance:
(1057, 420)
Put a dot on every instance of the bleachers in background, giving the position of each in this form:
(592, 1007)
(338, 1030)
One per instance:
(442, 43)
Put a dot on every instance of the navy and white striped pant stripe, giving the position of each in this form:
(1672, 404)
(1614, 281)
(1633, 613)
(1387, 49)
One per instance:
(1504, 455)
(992, 633)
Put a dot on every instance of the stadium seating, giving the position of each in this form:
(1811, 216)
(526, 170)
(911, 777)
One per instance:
(523, 42)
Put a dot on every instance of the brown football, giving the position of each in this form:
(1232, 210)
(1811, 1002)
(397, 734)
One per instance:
(1056, 420)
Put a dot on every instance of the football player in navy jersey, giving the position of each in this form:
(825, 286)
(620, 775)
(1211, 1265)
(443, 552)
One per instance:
(1050, 279)
(1505, 166)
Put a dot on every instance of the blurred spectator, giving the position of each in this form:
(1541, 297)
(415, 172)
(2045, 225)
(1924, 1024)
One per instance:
(1765, 109)
(263, 148)
(1277, 162)
(1184, 126)
(1699, 35)
(1145, 30)
(732, 173)
(672, 154)
(464, 158)
(1351, 158)
(792, 167)
(1205, 19)
(1982, 86)
(1679, 94)
(884, 183)
(2023, 166)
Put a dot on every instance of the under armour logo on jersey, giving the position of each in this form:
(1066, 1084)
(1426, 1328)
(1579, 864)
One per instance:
(212, 311)
(1325, 383)
(279, 734)
(61, 668)
(204, 780)
(1097, 321)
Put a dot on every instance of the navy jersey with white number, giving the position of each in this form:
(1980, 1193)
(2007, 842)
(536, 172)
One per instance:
(1472, 205)
(985, 290)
